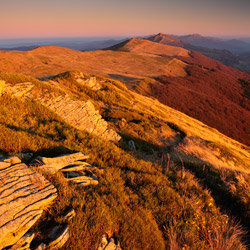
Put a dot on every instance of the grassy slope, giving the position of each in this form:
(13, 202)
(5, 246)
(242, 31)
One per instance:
(153, 203)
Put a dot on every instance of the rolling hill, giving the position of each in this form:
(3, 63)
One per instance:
(208, 91)
(192, 83)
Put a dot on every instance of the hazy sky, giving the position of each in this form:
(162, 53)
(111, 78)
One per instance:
(61, 18)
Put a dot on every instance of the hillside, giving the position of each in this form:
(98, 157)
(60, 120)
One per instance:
(137, 59)
(211, 93)
(176, 187)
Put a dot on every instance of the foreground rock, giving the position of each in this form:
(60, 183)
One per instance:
(54, 164)
(24, 194)
(73, 167)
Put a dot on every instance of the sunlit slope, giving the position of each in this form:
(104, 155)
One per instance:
(214, 147)
(145, 194)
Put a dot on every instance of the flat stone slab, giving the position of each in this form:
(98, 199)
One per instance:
(24, 194)
(53, 165)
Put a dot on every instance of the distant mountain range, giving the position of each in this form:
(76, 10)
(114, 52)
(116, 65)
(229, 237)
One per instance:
(76, 45)
(234, 45)
(233, 53)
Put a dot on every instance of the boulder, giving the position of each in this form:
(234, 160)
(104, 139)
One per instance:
(24, 194)
(72, 168)
(81, 115)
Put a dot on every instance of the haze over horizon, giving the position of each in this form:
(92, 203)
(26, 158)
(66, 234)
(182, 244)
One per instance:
(75, 18)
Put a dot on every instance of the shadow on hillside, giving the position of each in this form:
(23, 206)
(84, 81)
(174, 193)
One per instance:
(53, 151)
(31, 132)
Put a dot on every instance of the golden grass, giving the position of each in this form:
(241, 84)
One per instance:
(144, 204)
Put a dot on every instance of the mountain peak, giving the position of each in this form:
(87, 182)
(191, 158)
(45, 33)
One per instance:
(166, 40)
(152, 46)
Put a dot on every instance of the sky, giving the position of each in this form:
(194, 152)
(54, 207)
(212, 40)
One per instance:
(114, 18)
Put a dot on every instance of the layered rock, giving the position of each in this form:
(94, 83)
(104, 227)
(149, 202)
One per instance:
(24, 194)
(79, 114)
(24, 242)
(73, 167)
(90, 82)
(54, 164)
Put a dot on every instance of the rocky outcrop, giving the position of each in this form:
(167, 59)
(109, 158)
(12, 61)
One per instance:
(81, 115)
(24, 194)
(78, 113)
(109, 244)
(90, 82)
(73, 167)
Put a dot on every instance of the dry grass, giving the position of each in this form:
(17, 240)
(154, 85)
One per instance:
(142, 204)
